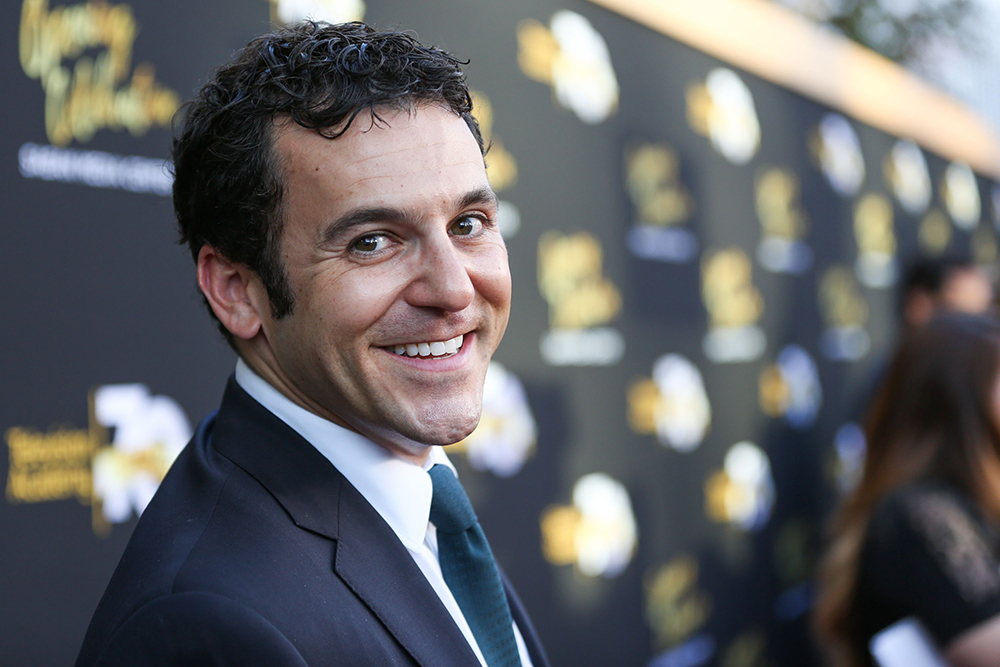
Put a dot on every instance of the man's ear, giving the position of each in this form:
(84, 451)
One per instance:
(230, 290)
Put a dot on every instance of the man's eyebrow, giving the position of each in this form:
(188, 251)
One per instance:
(482, 195)
(360, 217)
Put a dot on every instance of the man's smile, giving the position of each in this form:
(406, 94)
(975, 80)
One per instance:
(443, 349)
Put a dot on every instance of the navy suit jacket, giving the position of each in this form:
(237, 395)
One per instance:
(257, 551)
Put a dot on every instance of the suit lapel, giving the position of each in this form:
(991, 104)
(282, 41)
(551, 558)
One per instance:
(394, 588)
(370, 559)
(535, 649)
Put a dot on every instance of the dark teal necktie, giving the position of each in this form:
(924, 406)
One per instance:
(470, 571)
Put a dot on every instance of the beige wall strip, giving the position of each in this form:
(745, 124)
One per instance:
(781, 46)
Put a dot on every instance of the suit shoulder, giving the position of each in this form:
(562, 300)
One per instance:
(197, 628)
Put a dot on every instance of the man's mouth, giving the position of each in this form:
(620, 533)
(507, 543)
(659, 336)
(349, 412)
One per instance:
(435, 349)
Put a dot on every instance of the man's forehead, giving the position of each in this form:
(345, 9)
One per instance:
(424, 153)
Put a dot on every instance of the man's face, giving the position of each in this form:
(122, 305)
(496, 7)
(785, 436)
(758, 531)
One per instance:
(400, 278)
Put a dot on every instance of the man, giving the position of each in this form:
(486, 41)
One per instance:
(331, 186)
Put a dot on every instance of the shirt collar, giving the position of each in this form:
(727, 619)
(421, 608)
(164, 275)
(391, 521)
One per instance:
(399, 490)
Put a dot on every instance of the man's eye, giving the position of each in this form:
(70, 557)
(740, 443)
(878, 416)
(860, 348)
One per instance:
(466, 226)
(370, 243)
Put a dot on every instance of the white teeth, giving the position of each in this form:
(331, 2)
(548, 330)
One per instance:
(432, 349)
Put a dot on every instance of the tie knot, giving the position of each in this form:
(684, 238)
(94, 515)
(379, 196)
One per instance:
(451, 511)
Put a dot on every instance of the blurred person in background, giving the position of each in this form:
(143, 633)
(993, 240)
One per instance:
(930, 286)
(918, 537)
(953, 283)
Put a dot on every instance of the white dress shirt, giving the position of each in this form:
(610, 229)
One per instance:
(399, 490)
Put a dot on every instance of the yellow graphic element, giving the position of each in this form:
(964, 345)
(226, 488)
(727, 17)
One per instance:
(651, 177)
(790, 388)
(848, 460)
(559, 526)
(742, 492)
(116, 472)
(597, 533)
(675, 607)
(673, 405)
(50, 466)
(775, 394)
(570, 279)
(845, 313)
(935, 232)
(905, 170)
(501, 167)
(645, 405)
(334, 11)
(92, 93)
(573, 58)
(960, 193)
(722, 109)
(984, 245)
(728, 291)
(777, 204)
(840, 299)
(747, 650)
(836, 149)
(873, 225)
(876, 239)
(506, 434)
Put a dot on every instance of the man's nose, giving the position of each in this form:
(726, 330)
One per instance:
(442, 277)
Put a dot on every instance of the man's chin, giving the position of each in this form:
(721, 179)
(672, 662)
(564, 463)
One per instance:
(446, 430)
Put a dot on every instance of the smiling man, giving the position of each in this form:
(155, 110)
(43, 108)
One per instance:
(330, 184)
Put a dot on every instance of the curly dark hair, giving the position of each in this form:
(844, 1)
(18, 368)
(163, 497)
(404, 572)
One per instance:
(227, 178)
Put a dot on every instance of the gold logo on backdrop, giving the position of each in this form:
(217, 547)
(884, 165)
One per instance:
(905, 171)
(935, 232)
(93, 92)
(662, 204)
(790, 388)
(675, 607)
(580, 298)
(836, 149)
(651, 176)
(845, 313)
(741, 493)
(501, 167)
(960, 193)
(777, 204)
(984, 245)
(573, 58)
(571, 280)
(673, 404)
(597, 533)
(734, 306)
(876, 239)
(51, 466)
(115, 465)
(783, 222)
(722, 109)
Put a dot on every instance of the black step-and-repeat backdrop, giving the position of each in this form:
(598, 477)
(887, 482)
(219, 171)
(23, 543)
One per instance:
(704, 268)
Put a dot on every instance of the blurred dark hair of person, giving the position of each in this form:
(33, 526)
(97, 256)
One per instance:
(952, 283)
(918, 536)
